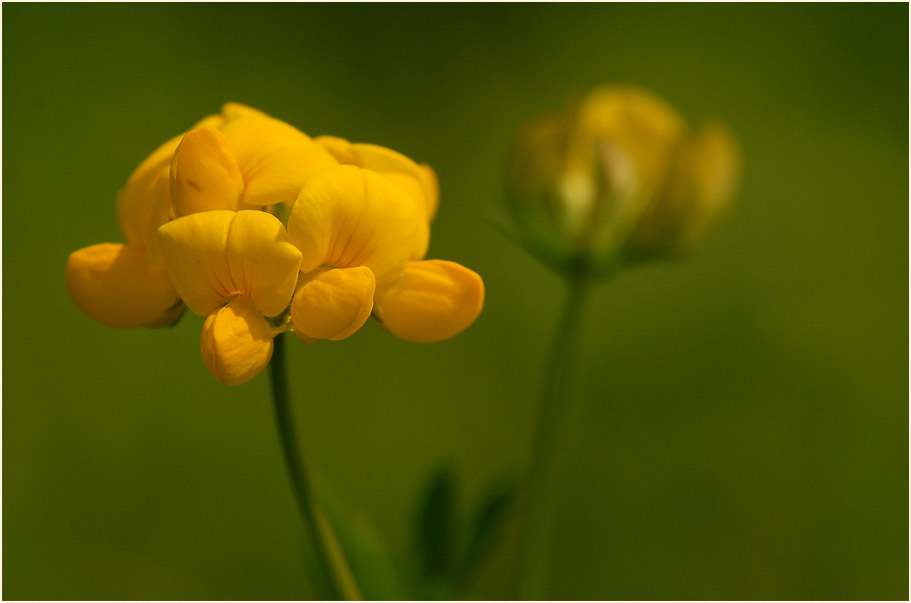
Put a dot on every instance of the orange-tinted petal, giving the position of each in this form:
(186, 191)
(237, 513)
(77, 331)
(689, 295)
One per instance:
(114, 285)
(432, 301)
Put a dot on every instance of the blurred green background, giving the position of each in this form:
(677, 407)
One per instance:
(738, 428)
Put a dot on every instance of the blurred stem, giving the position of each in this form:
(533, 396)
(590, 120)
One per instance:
(329, 553)
(541, 474)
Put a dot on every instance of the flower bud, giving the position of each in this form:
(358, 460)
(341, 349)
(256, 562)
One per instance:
(618, 176)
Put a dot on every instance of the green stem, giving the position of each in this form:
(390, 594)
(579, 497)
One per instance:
(541, 474)
(328, 551)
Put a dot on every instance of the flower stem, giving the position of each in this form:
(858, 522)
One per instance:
(541, 473)
(329, 553)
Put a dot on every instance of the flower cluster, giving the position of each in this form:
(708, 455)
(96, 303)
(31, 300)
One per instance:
(261, 229)
(619, 177)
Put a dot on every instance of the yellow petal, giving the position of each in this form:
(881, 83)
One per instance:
(381, 159)
(432, 186)
(333, 305)
(216, 121)
(346, 216)
(262, 261)
(433, 300)
(635, 120)
(410, 187)
(338, 148)
(236, 342)
(232, 111)
(145, 193)
(193, 249)
(418, 180)
(701, 183)
(229, 112)
(274, 158)
(114, 285)
(214, 255)
(716, 175)
(204, 173)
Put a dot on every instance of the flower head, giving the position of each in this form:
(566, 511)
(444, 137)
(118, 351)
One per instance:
(618, 177)
(260, 229)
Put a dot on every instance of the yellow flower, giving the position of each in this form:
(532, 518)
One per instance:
(356, 235)
(621, 174)
(357, 232)
(242, 259)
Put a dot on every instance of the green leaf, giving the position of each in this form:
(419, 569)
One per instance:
(365, 548)
(435, 526)
(487, 523)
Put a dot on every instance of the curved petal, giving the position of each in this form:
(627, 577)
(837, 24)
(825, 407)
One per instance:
(204, 173)
(715, 170)
(231, 111)
(114, 285)
(214, 255)
(346, 216)
(418, 180)
(262, 261)
(702, 180)
(216, 121)
(338, 148)
(434, 300)
(146, 189)
(334, 305)
(274, 158)
(193, 249)
(410, 187)
(640, 123)
(236, 342)
(432, 186)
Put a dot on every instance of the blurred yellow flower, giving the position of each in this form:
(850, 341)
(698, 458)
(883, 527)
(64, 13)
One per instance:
(621, 174)
(357, 217)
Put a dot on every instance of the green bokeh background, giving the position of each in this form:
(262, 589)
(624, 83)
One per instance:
(738, 427)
